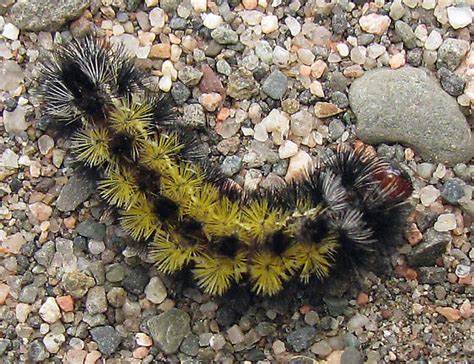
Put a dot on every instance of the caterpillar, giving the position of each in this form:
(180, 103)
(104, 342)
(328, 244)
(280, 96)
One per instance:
(351, 206)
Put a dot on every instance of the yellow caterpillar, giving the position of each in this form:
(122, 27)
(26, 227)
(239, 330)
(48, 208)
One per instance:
(171, 199)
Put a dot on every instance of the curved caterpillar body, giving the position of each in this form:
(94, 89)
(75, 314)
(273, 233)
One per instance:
(153, 171)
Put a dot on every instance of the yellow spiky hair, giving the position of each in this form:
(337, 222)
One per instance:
(91, 146)
(171, 254)
(215, 274)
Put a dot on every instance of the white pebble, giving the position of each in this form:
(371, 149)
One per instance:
(151, 3)
(428, 195)
(22, 310)
(260, 132)
(293, 25)
(434, 41)
(375, 23)
(9, 159)
(305, 56)
(10, 31)
(212, 21)
(53, 342)
(411, 3)
(358, 54)
(165, 83)
(269, 24)
(157, 18)
(143, 52)
(342, 49)
(445, 222)
(375, 50)
(428, 4)
(421, 32)
(281, 56)
(155, 291)
(96, 246)
(251, 17)
(287, 149)
(459, 17)
(300, 164)
(143, 339)
(49, 311)
(316, 89)
(168, 70)
(199, 5)
(117, 29)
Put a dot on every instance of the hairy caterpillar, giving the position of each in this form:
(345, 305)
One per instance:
(154, 172)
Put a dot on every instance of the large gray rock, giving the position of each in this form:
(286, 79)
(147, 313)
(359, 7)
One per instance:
(169, 329)
(408, 106)
(46, 14)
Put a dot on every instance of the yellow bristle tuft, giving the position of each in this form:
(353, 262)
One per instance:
(139, 220)
(317, 258)
(170, 254)
(202, 201)
(215, 274)
(267, 273)
(180, 182)
(260, 220)
(223, 219)
(132, 117)
(119, 188)
(91, 146)
(157, 154)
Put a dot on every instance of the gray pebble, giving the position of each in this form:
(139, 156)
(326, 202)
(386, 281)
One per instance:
(264, 51)
(136, 280)
(338, 82)
(340, 99)
(468, 347)
(223, 67)
(91, 229)
(231, 165)
(28, 294)
(96, 301)
(224, 35)
(275, 85)
(451, 82)
(4, 344)
(190, 345)
(190, 76)
(425, 170)
(241, 85)
(180, 92)
(339, 23)
(169, 329)
(194, 116)
(106, 338)
(115, 272)
(336, 128)
(451, 53)
(432, 275)
(45, 255)
(452, 190)
(301, 339)
(78, 189)
(415, 57)
(407, 34)
(169, 6)
(37, 352)
(177, 23)
(432, 246)
(351, 356)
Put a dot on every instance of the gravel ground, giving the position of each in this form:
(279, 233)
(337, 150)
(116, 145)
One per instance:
(271, 84)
